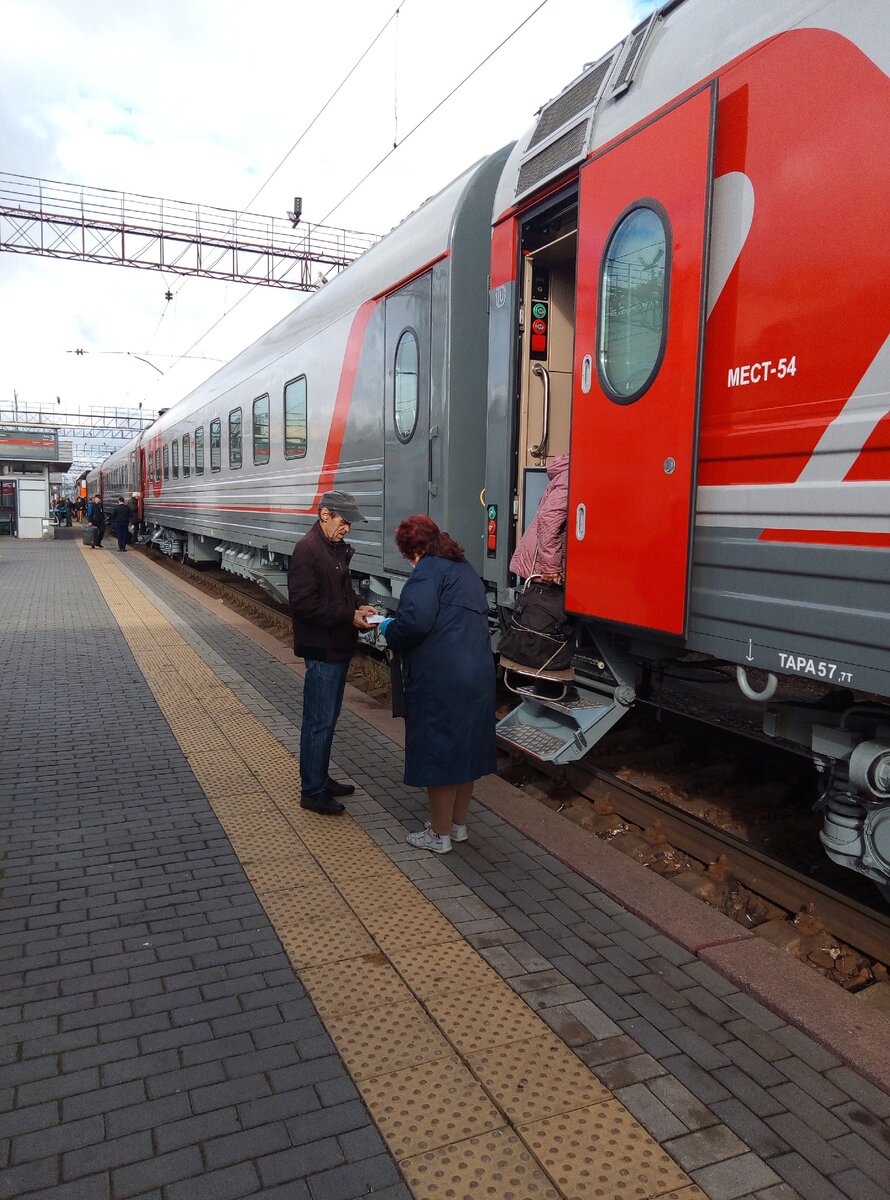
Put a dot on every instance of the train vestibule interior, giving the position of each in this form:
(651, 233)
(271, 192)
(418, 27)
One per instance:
(549, 249)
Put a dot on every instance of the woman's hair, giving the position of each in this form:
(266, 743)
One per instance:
(421, 535)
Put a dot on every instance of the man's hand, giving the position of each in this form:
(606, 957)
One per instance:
(363, 611)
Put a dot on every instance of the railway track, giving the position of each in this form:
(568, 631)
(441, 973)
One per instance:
(864, 928)
(802, 913)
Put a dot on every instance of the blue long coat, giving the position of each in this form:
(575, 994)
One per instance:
(441, 633)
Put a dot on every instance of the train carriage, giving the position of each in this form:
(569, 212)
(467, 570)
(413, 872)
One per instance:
(676, 277)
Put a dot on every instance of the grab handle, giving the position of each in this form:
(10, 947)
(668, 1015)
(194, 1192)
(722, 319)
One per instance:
(540, 451)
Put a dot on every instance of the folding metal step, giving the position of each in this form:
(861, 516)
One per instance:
(562, 730)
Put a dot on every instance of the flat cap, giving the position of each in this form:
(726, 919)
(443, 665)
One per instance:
(344, 505)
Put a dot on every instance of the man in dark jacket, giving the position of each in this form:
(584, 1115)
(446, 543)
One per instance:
(327, 615)
(120, 519)
(96, 517)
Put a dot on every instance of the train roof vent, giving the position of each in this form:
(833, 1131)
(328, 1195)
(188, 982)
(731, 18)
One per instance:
(629, 57)
(561, 134)
(565, 149)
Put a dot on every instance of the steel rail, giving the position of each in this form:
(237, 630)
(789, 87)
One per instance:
(864, 929)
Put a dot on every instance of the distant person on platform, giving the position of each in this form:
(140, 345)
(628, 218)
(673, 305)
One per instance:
(327, 615)
(96, 518)
(120, 519)
(135, 506)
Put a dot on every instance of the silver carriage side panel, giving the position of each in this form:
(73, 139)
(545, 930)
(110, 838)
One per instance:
(775, 606)
(335, 339)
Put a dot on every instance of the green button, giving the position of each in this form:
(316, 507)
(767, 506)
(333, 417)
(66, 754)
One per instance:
(539, 310)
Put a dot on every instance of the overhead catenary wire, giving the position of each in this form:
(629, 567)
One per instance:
(388, 154)
(434, 110)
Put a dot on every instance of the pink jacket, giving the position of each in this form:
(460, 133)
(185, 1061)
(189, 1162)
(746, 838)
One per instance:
(542, 548)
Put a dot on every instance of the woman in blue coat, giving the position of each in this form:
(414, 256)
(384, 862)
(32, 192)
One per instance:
(441, 635)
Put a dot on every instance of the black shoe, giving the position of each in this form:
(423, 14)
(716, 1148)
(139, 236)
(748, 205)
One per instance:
(333, 788)
(324, 804)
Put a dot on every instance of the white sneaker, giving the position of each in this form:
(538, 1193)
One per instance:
(458, 832)
(425, 839)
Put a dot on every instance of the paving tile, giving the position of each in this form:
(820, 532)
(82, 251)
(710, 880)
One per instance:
(705, 1147)
(734, 1177)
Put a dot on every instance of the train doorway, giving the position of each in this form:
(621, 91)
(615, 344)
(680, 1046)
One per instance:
(408, 439)
(549, 248)
(642, 247)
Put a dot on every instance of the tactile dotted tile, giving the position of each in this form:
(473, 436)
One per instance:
(353, 985)
(536, 1079)
(599, 1152)
(431, 1105)
(390, 890)
(258, 831)
(345, 863)
(323, 941)
(496, 1166)
(284, 874)
(693, 1192)
(483, 1018)
(388, 1038)
(403, 928)
(448, 967)
(316, 903)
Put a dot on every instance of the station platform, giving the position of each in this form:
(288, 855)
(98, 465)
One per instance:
(209, 992)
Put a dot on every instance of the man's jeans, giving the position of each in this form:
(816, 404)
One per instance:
(322, 699)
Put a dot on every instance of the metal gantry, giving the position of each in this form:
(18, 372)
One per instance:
(61, 220)
(93, 435)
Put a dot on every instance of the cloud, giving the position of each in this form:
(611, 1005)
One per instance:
(200, 100)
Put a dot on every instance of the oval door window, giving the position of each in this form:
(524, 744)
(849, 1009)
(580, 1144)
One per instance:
(406, 390)
(634, 282)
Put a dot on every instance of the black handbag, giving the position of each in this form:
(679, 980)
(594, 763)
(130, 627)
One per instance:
(396, 684)
(540, 635)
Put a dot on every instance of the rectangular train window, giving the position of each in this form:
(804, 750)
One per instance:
(186, 455)
(215, 443)
(235, 438)
(295, 420)
(199, 450)
(261, 429)
(158, 465)
(174, 447)
(166, 460)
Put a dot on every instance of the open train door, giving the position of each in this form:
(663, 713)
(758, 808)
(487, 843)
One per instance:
(642, 248)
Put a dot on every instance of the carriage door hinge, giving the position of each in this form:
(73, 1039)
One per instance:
(521, 315)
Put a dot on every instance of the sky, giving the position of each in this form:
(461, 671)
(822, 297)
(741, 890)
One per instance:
(200, 101)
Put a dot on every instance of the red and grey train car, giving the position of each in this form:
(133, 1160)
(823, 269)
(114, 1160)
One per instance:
(677, 277)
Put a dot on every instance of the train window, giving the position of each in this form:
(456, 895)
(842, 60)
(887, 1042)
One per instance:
(215, 443)
(261, 429)
(405, 389)
(634, 282)
(235, 437)
(186, 455)
(295, 418)
(158, 465)
(199, 450)
(166, 460)
(174, 448)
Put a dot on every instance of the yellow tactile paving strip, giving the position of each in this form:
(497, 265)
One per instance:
(473, 1093)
